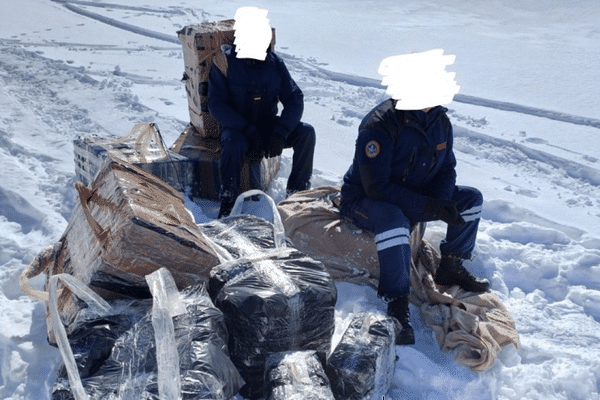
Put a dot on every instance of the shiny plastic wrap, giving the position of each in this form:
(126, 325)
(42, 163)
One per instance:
(274, 299)
(116, 354)
(283, 302)
(361, 367)
(296, 375)
(127, 224)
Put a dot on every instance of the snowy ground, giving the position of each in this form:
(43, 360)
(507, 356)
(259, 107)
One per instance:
(78, 67)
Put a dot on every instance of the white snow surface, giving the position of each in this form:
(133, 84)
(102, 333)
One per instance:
(527, 126)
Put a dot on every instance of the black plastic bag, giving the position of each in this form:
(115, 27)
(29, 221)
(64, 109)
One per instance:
(362, 364)
(296, 375)
(116, 354)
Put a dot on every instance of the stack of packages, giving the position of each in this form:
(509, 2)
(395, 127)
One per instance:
(274, 298)
(200, 140)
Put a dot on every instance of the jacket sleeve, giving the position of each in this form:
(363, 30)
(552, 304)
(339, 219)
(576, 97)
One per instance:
(291, 98)
(219, 104)
(443, 183)
(376, 175)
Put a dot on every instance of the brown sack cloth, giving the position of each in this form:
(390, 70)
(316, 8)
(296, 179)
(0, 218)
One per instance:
(127, 224)
(315, 228)
(477, 326)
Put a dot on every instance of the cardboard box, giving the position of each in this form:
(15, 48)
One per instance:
(127, 224)
(142, 147)
(205, 152)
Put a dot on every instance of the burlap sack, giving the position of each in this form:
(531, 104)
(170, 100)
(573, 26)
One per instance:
(313, 224)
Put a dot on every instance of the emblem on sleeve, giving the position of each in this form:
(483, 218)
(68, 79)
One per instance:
(372, 149)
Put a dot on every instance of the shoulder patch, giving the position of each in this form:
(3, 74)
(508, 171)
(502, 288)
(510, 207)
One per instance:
(372, 149)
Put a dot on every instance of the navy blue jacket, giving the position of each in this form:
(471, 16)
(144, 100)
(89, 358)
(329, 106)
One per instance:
(402, 157)
(250, 93)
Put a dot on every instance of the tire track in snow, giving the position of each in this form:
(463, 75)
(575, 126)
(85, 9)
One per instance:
(332, 75)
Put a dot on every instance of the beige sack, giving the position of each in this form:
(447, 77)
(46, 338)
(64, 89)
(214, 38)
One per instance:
(314, 226)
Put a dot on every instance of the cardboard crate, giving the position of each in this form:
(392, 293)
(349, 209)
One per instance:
(128, 223)
(206, 152)
(200, 45)
(142, 147)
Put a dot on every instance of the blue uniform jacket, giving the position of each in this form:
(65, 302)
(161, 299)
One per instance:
(402, 157)
(250, 93)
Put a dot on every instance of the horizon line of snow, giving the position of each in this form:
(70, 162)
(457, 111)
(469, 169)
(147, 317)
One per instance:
(350, 79)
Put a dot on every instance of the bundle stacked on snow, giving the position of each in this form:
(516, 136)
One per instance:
(274, 299)
(128, 224)
(361, 367)
(313, 224)
(143, 147)
(296, 375)
(116, 354)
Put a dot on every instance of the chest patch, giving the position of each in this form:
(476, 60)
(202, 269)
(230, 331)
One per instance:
(441, 146)
(372, 149)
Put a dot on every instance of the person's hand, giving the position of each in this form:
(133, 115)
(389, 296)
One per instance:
(275, 146)
(445, 209)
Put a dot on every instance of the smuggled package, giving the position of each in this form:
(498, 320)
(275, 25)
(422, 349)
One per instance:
(361, 367)
(205, 154)
(127, 224)
(117, 353)
(143, 147)
(296, 375)
(274, 297)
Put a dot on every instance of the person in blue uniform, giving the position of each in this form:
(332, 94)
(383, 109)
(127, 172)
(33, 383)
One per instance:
(403, 173)
(244, 91)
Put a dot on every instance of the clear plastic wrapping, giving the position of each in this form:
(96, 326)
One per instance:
(117, 357)
(274, 298)
(296, 375)
(361, 367)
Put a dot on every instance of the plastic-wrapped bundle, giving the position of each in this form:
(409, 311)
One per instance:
(280, 300)
(362, 364)
(296, 375)
(116, 354)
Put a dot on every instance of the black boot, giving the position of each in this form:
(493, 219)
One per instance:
(398, 308)
(226, 206)
(452, 272)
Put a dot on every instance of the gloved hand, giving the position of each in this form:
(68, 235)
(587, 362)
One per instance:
(444, 209)
(275, 146)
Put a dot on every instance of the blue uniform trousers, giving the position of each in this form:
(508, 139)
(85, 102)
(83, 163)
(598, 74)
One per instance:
(392, 231)
(234, 147)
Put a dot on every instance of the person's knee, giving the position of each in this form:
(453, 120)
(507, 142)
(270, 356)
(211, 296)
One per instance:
(476, 196)
(469, 196)
(310, 135)
(304, 135)
(389, 216)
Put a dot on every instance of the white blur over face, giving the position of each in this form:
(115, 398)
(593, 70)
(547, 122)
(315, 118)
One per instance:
(253, 33)
(419, 81)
